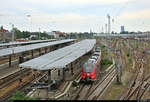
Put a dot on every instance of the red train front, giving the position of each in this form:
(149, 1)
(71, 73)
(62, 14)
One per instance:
(89, 69)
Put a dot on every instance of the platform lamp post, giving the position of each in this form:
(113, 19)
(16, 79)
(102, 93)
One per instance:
(12, 31)
(39, 34)
(30, 21)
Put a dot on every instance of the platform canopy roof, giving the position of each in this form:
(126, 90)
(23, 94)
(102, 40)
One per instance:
(27, 42)
(19, 49)
(61, 57)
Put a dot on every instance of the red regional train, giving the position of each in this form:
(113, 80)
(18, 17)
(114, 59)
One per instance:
(89, 69)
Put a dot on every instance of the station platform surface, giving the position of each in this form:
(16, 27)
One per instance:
(7, 71)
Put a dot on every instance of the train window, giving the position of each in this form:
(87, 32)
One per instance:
(89, 67)
(92, 60)
(94, 57)
(97, 51)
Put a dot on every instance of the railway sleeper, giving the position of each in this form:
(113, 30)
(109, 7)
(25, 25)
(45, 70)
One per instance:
(11, 76)
(7, 82)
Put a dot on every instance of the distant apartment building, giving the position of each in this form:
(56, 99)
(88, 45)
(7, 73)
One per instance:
(5, 35)
(57, 34)
(122, 29)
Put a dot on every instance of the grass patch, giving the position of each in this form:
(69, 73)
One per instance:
(106, 62)
(130, 61)
(115, 90)
(21, 96)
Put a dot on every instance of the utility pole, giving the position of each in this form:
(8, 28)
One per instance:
(30, 21)
(91, 33)
(112, 26)
(109, 26)
(39, 34)
(118, 63)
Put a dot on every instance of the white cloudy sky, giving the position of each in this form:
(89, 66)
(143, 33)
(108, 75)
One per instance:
(75, 15)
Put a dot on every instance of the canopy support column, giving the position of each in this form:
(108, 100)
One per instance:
(49, 49)
(72, 69)
(39, 51)
(21, 58)
(32, 54)
(23, 54)
(45, 50)
(9, 60)
(63, 73)
(49, 79)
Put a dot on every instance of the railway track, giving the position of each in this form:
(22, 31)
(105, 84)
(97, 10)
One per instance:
(94, 91)
(32, 91)
(13, 77)
(139, 84)
(20, 81)
(97, 88)
(137, 92)
(80, 90)
(101, 87)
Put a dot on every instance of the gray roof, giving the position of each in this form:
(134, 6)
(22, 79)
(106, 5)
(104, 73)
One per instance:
(61, 57)
(15, 50)
(120, 35)
(29, 42)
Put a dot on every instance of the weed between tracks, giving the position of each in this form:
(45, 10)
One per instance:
(116, 90)
(14, 85)
(147, 96)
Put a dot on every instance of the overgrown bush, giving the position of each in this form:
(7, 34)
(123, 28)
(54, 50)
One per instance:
(128, 54)
(106, 62)
(103, 46)
(75, 83)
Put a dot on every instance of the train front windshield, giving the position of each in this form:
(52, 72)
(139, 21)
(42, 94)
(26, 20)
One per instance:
(89, 67)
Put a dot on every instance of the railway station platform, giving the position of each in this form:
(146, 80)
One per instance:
(8, 71)
(61, 65)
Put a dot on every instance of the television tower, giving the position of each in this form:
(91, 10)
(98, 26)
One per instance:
(109, 26)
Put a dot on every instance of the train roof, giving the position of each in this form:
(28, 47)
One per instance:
(94, 57)
(91, 60)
